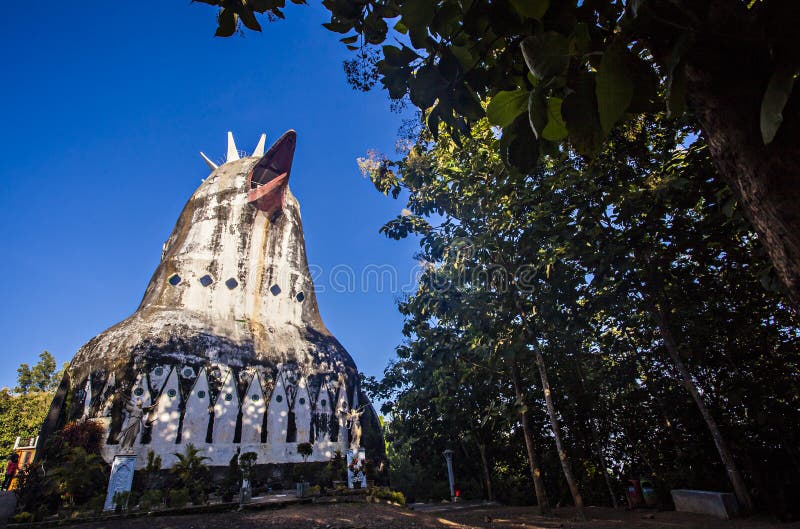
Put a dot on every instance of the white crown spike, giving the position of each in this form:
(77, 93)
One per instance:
(211, 164)
(233, 154)
(260, 147)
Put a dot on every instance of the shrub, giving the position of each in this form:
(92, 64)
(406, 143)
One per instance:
(179, 498)
(151, 499)
(387, 494)
(96, 503)
(23, 517)
(78, 477)
(192, 473)
(305, 450)
(86, 434)
(232, 481)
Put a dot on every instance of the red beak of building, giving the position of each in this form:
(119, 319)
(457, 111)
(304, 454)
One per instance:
(269, 178)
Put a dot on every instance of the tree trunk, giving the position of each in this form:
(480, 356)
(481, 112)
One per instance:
(562, 454)
(536, 473)
(487, 477)
(739, 487)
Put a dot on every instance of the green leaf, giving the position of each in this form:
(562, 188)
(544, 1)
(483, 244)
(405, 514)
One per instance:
(777, 94)
(417, 14)
(676, 92)
(504, 107)
(537, 112)
(579, 110)
(248, 18)
(226, 21)
(338, 27)
(676, 77)
(522, 148)
(547, 54)
(614, 88)
(399, 56)
(426, 86)
(531, 8)
(556, 129)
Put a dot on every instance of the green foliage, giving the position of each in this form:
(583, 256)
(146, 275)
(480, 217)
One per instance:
(385, 493)
(247, 462)
(88, 435)
(41, 377)
(151, 499)
(23, 517)
(569, 259)
(34, 493)
(232, 481)
(78, 476)
(305, 450)
(21, 415)
(179, 498)
(191, 473)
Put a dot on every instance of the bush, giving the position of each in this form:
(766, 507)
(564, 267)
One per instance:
(96, 503)
(151, 499)
(23, 517)
(179, 498)
(232, 481)
(383, 493)
(84, 434)
(78, 477)
(34, 493)
(305, 450)
(192, 474)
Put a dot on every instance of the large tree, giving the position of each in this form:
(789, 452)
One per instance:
(562, 70)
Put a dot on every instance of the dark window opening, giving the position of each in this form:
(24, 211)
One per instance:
(231, 283)
(275, 289)
(174, 280)
(301, 297)
(206, 280)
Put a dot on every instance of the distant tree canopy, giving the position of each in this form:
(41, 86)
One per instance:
(22, 414)
(41, 377)
(566, 72)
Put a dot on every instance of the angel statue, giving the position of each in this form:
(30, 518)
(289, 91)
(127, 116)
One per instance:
(353, 418)
(134, 423)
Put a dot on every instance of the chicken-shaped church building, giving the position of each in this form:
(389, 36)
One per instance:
(227, 349)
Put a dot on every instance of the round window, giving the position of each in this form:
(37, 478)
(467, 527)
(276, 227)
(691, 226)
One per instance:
(158, 371)
(228, 397)
(324, 402)
(201, 394)
(279, 398)
(138, 392)
(188, 371)
(255, 397)
(171, 393)
(302, 401)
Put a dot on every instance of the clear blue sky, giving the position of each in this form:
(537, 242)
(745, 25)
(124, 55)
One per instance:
(105, 106)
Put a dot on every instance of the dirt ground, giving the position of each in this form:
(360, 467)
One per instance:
(368, 516)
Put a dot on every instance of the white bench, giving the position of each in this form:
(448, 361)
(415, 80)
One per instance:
(719, 504)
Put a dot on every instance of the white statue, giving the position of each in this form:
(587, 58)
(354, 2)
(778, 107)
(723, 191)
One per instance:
(134, 424)
(353, 418)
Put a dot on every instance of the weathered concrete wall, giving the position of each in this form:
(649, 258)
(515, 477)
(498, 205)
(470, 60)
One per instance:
(719, 504)
(227, 345)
